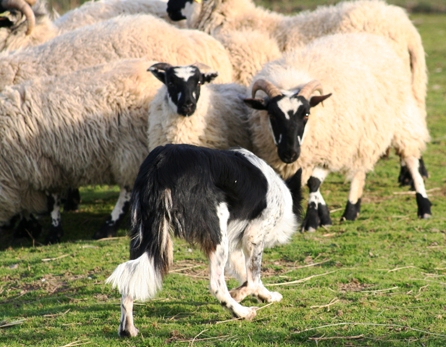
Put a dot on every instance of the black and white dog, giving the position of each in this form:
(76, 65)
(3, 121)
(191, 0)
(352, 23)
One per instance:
(229, 202)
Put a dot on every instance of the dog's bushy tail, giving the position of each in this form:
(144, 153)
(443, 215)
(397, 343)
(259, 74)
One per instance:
(151, 250)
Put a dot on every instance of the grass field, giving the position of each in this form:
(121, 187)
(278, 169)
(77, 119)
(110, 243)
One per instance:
(379, 281)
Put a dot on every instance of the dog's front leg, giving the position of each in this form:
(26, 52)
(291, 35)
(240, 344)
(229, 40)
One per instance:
(218, 286)
(253, 250)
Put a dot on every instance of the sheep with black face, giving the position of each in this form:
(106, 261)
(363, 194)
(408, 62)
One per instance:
(369, 107)
(190, 109)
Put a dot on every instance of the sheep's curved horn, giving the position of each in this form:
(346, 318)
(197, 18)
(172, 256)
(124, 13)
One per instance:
(309, 88)
(24, 7)
(270, 89)
(159, 66)
(202, 67)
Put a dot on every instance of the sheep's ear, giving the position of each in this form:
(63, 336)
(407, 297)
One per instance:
(315, 100)
(256, 104)
(206, 71)
(159, 71)
(208, 77)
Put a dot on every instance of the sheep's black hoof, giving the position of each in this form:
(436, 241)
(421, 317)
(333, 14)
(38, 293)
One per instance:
(28, 228)
(109, 229)
(55, 235)
(11, 224)
(351, 211)
(324, 215)
(311, 221)
(72, 201)
(424, 207)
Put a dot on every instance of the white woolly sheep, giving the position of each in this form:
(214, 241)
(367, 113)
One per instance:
(376, 17)
(19, 34)
(137, 36)
(88, 127)
(372, 108)
(188, 110)
(121, 37)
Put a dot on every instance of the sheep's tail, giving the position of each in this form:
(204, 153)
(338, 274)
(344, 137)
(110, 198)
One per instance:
(419, 71)
(151, 245)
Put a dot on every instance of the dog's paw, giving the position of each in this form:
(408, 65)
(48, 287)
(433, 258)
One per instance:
(247, 313)
(275, 297)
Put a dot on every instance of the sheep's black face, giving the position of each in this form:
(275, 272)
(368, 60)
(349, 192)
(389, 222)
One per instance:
(288, 117)
(176, 8)
(183, 85)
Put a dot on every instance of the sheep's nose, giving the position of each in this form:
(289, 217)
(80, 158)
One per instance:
(187, 109)
(289, 157)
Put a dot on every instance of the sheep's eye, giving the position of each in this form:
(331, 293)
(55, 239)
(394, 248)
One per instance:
(199, 82)
(306, 116)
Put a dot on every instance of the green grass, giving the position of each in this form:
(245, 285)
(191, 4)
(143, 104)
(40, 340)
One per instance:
(379, 281)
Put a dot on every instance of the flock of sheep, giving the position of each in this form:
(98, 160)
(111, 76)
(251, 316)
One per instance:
(78, 107)
(85, 97)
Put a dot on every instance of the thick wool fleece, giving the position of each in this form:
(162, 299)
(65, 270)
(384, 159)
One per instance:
(90, 12)
(371, 109)
(220, 120)
(123, 37)
(88, 127)
(370, 16)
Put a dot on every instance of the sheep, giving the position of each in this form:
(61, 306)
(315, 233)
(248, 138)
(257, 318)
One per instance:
(138, 36)
(187, 109)
(372, 108)
(230, 203)
(226, 17)
(14, 36)
(218, 16)
(248, 51)
(87, 127)
(143, 35)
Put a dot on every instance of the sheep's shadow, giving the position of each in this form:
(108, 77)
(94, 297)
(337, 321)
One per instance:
(77, 225)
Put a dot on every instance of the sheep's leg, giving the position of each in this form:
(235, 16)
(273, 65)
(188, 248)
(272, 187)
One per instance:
(217, 261)
(424, 205)
(253, 250)
(28, 225)
(72, 200)
(405, 177)
(354, 197)
(236, 266)
(317, 211)
(110, 227)
(56, 231)
(126, 327)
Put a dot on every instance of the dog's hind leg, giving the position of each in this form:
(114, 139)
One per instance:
(236, 267)
(127, 328)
